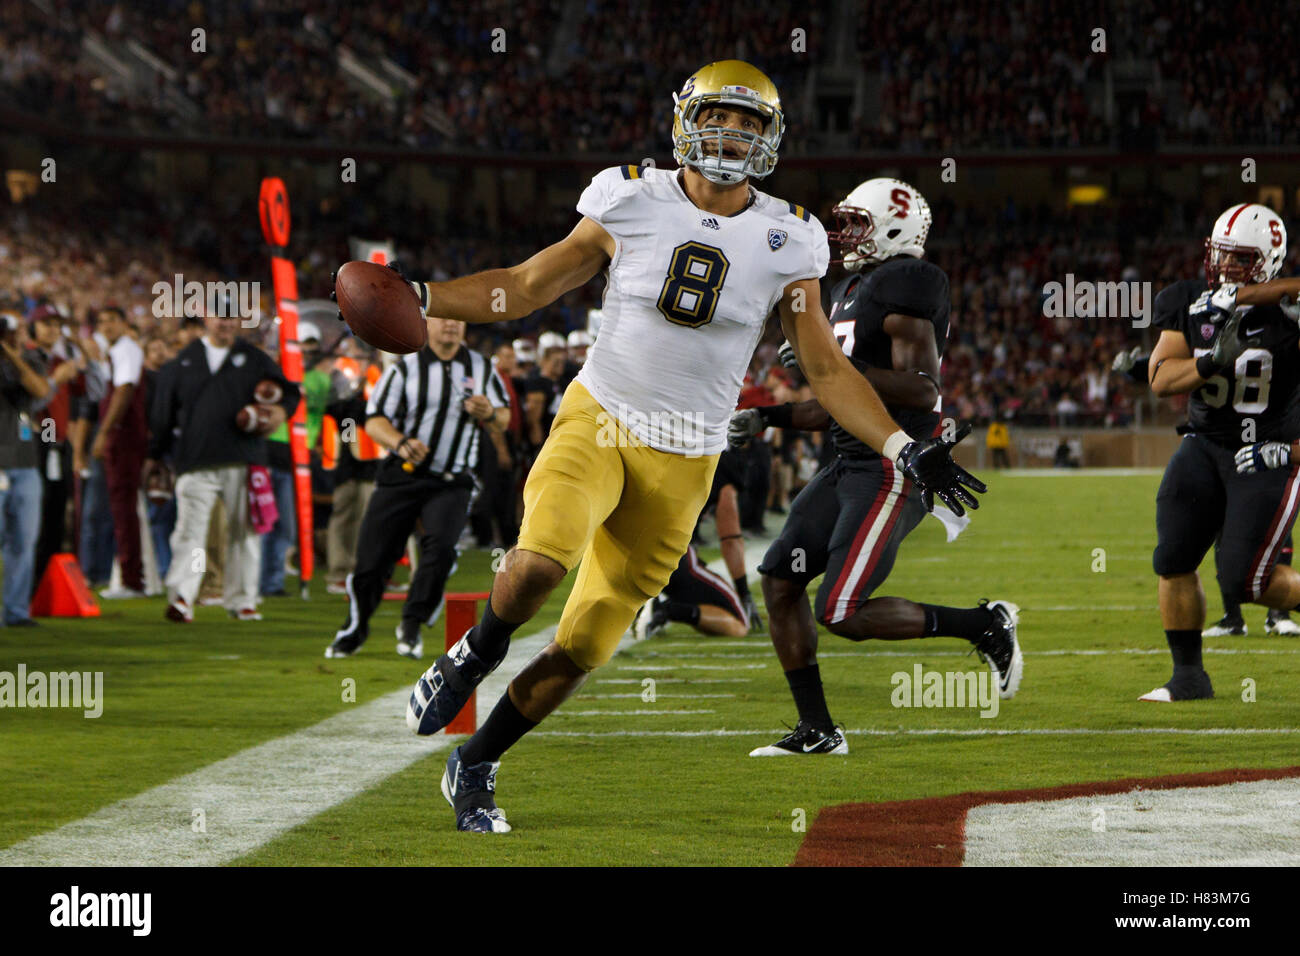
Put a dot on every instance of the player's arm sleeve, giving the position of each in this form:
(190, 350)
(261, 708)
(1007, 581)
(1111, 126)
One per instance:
(605, 200)
(817, 254)
(1170, 308)
(386, 398)
(918, 289)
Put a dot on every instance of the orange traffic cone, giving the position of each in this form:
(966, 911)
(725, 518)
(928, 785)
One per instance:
(63, 591)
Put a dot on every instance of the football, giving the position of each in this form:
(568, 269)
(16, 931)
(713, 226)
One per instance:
(268, 392)
(380, 307)
(254, 419)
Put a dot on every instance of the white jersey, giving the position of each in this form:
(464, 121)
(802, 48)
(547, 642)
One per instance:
(687, 297)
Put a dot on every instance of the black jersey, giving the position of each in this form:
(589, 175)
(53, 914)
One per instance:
(1264, 385)
(859, 306)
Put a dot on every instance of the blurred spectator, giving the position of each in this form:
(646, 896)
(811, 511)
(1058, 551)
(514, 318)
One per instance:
(542, 393)
(353, 457)
(160, 496)
(23, 392)
(199, 394)
(277, 542)
(998, 441)
(54, 350)
(120, 445)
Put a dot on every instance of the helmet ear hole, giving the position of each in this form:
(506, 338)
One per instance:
(893, 234)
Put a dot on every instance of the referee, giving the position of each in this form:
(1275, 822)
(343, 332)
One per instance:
(427, 408)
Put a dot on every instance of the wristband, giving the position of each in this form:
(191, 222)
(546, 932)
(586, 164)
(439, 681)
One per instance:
(1206, 367)
(894, 444)
(397, 449)
(777, 416)
(421, 290)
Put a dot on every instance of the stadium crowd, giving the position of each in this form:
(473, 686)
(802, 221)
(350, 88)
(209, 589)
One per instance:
(943, 76)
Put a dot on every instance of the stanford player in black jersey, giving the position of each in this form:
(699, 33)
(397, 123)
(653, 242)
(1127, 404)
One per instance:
(1237, 353)
(1132, 364)
(891, 318)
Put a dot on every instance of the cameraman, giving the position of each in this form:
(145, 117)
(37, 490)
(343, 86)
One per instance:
(24, 390)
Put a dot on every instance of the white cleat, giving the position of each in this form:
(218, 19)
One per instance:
(1282, 627)
(409, 647)
(1160, 695)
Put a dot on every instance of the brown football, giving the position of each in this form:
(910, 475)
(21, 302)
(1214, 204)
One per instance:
(268, 392)
(380, 307)
(254, 419)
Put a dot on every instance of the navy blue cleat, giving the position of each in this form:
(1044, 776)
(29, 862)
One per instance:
(471, 789)
(443, 689)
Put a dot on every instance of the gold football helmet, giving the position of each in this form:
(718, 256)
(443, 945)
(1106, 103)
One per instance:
(730, 83)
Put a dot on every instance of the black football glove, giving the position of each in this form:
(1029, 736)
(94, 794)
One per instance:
(419, 288)
(930, 466)
(1290, 309)
(1229, 344)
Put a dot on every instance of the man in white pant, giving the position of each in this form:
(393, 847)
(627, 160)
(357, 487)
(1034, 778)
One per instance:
(196, 400)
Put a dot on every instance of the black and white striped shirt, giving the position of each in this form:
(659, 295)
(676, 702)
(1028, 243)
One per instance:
(424, 397)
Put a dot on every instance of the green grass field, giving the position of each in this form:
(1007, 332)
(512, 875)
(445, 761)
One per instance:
(614, 779)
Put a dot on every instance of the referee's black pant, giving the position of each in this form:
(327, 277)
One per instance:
(399, 501)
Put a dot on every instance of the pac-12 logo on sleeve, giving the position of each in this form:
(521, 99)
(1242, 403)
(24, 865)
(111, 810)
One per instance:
(776, 238)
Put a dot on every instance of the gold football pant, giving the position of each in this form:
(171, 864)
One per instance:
(624, 509)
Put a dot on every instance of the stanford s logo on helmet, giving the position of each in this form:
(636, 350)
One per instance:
(727, 83)
(880, 219)
(1247, 244)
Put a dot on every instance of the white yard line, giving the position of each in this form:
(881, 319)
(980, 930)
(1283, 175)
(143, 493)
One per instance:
(676, 680)
(944, 732)
(657, 696)
(665, 712)
(253, 796)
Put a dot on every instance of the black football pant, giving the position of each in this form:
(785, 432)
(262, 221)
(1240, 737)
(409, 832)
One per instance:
(1202, 498)
(848, 523)
(398, 503)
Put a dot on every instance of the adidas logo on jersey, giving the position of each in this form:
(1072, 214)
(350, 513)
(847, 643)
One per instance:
(709, 222)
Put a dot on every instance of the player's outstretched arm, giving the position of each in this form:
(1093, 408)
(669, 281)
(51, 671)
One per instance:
(1269, 293)
(806, 416)
(844, 393)
(502, 294)
(851, 401)
(1173, 369)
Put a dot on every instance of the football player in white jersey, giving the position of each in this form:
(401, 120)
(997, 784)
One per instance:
(695, 260)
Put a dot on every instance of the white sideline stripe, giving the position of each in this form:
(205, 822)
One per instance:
(626, 713)
(692, 667)
(253, 796)
(675, 680)
(658, 696)
(938, 732)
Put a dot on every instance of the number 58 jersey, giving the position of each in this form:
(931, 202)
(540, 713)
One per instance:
(1256, 400)
(687, 295)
